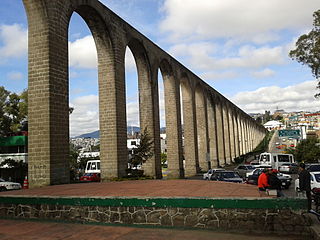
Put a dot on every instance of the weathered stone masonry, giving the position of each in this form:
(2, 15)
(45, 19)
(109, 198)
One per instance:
(215, 130)
(281, 216)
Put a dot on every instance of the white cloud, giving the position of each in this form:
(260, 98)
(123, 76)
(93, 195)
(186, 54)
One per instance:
(14, 39)
(85, 117)
(257, 21)
(201, 56)
(133, 114)
(291, 98)
(213, 75)
(83, 54)
(267, 72)
(15, 75)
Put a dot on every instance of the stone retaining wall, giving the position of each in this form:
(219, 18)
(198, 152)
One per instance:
(239, 215)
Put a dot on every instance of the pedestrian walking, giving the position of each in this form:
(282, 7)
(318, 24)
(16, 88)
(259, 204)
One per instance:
(305, 183)
(263, 182)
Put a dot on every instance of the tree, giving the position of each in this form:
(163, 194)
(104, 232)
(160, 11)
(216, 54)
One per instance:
(307, 49)
(144, 150)
(13, 110)
(308, 150)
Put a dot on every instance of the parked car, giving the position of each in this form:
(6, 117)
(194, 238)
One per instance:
(90, 177)
(289, 168)
(5, 185)
(284, 178)
(227, 176)
(315, 181)
(207, 175)
(243, 169)
(261, 167)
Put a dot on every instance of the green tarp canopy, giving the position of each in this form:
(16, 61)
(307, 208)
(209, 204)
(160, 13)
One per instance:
(13, 141)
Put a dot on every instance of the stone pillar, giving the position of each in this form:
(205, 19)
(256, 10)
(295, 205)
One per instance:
(201, 130)
(173, 125)
(236, 136)
(48, 94)
(212, 135)
(220, 135)
(226, 135)
(149, 112)
(112, 111)
(232, 135)
(242, 136)
(190, 132)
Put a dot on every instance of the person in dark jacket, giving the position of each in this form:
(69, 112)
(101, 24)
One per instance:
(275, 182)
(305, 182)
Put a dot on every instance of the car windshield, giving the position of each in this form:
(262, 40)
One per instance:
(317, 177)
(314, 168)
(230, 175)
(87, 175)
(251, 167)
(2, 180)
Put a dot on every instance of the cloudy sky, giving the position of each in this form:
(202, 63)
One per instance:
(239, 47)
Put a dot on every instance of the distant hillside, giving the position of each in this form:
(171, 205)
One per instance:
(96, 134)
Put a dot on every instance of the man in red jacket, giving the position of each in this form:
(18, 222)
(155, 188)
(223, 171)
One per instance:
(263, 182)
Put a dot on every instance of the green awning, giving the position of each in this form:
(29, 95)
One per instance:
(13, 141)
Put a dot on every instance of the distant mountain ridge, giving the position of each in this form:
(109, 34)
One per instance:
(96, 134)
(130, 130)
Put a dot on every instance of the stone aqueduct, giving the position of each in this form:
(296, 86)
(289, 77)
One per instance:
(215, 130)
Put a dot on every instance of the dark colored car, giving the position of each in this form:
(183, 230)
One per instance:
(285, 180)
(90, 177)
(227, 176)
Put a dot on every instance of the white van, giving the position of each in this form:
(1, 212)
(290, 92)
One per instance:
(275, 160)
(93, 166)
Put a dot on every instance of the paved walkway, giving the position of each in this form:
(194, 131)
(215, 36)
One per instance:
(145, 188)
(26, 230)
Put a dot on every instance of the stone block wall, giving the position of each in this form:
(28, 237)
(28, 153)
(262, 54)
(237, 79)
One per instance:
(238, 215)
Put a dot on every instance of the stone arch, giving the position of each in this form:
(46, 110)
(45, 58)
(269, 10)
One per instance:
(148, 104)
(190, 131)
(220, 130)
(48, 54)
(201, 123)
(173, 120)
(113, 163)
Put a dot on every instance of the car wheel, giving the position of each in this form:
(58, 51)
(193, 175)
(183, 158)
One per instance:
(2, 189)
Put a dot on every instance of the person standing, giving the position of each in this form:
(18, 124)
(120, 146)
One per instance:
(305, 183)
(275, 182)
(263, 182)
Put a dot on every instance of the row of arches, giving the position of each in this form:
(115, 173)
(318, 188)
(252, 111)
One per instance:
(203, 128)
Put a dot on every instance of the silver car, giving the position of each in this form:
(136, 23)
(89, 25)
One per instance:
(207, 175)
(243, 169)
(4, 185)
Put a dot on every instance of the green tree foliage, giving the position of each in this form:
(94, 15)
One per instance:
(144, 150)
(13, 110)
(307, 150)
(307, 49)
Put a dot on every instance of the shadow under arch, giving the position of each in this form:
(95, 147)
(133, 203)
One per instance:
(173, 121)
(148, 105)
